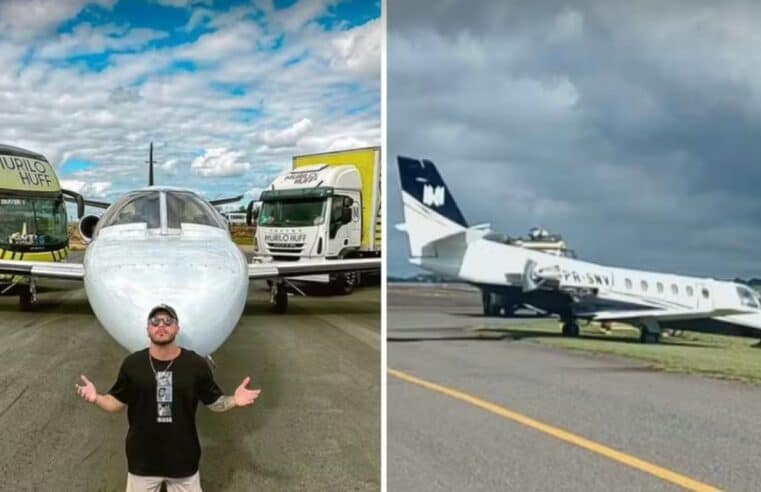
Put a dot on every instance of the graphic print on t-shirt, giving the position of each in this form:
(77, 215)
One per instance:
(164, 397)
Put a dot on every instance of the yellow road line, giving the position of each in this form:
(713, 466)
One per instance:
(610, 453)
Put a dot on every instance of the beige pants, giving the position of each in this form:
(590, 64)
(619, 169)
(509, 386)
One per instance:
(138, 483)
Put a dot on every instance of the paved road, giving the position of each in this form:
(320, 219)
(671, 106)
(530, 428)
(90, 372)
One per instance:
(315, 427)
(703, 429)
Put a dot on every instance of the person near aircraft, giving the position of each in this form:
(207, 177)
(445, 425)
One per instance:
(160, 387)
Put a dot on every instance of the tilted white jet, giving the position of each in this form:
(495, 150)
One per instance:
(167, 245)
(441, 241)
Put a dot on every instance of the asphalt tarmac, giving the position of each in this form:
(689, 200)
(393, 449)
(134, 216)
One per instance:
(701, 431)
(316, 425)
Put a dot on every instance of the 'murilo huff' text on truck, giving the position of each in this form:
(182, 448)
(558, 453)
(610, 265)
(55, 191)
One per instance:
(326, 207)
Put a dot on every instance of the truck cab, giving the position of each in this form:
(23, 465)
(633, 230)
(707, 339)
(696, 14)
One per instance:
(311, 212)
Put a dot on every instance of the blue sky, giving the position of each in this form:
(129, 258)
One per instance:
(227, 91)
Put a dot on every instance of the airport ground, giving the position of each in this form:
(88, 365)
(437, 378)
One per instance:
(478, 403)
(316, 425)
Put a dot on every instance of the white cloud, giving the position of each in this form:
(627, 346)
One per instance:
(93, 189)
(109, 117)
(359, 49)
(289, 136)
(88, 39)
(170, 166)
(301, 13)
(29, 18)
(344, 143)
(252, 194)
(234, 40)
(219, 162)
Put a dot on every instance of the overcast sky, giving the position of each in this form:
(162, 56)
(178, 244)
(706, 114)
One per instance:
(632, 130)
(228, 91)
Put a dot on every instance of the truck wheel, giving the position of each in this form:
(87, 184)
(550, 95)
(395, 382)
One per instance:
(25, 301)
(343, 283)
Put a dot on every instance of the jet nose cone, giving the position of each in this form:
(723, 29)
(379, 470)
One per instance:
(207, 289)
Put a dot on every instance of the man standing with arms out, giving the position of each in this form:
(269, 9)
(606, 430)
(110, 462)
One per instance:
(161, 386)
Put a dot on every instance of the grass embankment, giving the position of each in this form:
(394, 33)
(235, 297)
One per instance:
(693, 353)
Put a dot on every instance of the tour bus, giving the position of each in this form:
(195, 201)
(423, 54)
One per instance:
(33, 223)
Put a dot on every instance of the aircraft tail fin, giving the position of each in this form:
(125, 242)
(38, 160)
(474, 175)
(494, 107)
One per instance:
(430, 212)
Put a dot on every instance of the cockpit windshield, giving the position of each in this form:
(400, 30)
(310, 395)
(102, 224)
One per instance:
(135, 208)
(747, 298)
(183, 207)
(144, 207)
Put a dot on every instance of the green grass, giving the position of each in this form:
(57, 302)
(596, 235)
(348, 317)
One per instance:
(243, 240)
(693, 353)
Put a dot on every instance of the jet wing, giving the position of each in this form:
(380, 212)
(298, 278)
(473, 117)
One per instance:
(223, 201)
(88, 202)
(46, 269)
(660, 314)
(296, 268)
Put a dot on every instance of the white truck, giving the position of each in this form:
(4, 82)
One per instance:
(328, 206)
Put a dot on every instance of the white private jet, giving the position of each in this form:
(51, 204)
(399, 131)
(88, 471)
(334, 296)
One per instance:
(441, 241)
(168, 245)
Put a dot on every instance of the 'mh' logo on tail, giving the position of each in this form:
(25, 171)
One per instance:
(422, 183)
(433, 196)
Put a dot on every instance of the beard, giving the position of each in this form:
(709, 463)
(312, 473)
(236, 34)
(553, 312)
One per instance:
(162, 342)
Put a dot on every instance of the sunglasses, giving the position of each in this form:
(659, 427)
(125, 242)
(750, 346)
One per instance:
(155, 321)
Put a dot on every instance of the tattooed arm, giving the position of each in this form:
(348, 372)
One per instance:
(223, 404)
(242, 397)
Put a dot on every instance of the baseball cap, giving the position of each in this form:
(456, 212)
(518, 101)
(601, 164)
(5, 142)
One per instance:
(163, 307)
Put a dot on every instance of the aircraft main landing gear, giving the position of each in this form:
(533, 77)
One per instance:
(570, 328)
(491, 308)
(650, 332)
(278, 296)
(28, 298)
(495, 304)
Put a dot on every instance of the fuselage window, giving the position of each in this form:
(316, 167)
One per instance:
(628, 283)
(674, 289)
(659, 286)
(643, 284)
(706, 294)
(689, 291)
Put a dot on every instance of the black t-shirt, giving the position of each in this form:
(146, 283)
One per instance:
(162, 439)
